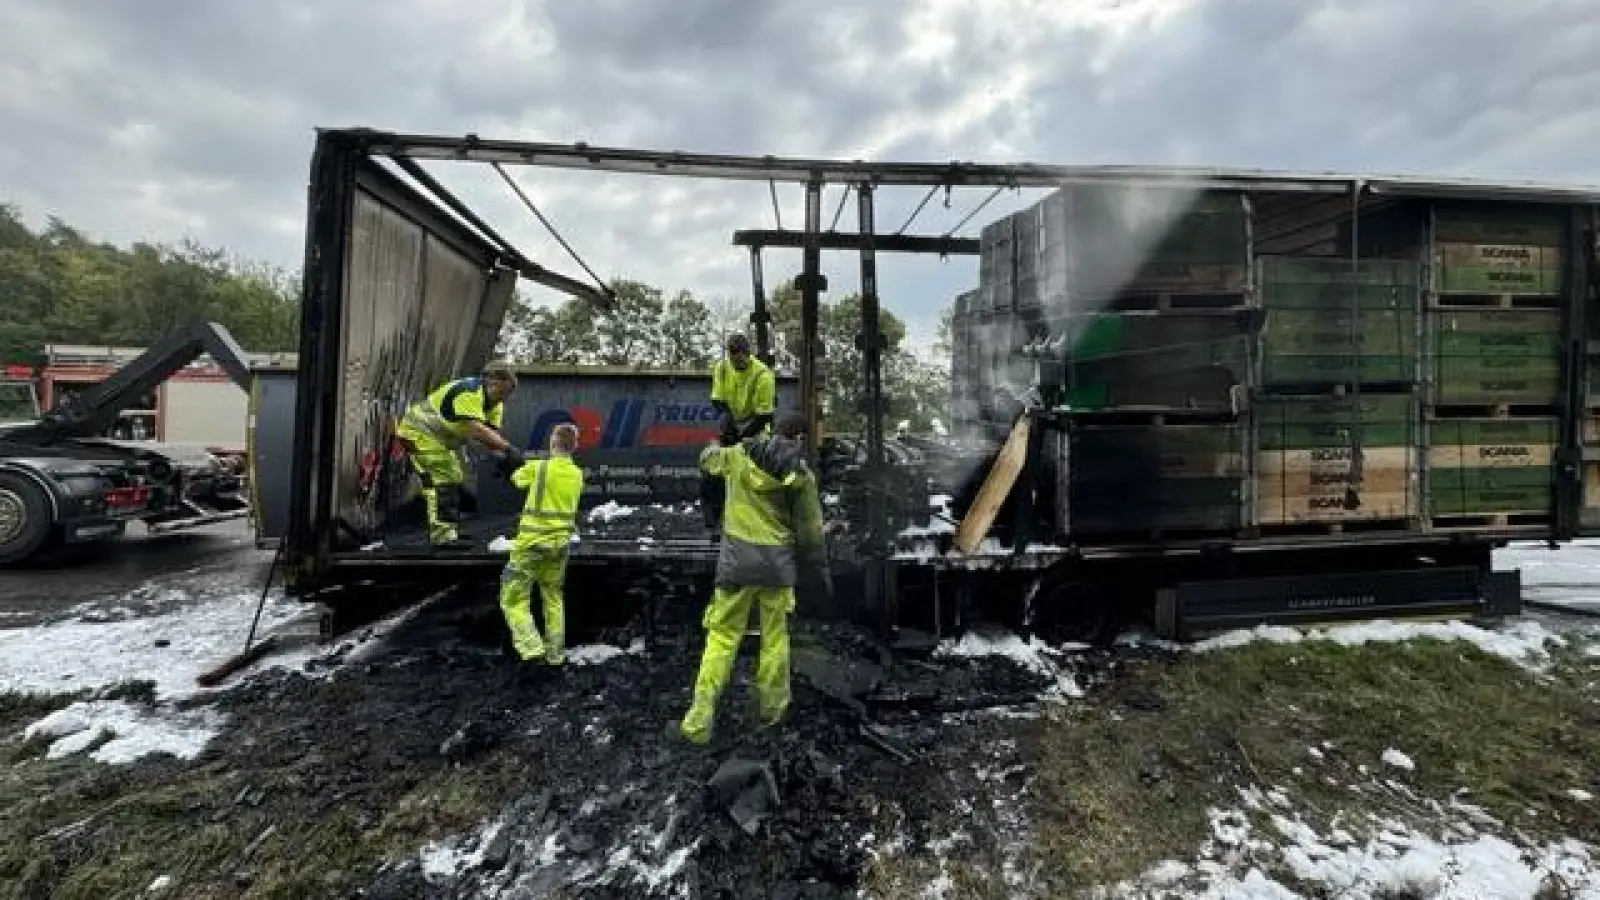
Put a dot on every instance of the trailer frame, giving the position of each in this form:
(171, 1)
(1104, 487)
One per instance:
(345, 154)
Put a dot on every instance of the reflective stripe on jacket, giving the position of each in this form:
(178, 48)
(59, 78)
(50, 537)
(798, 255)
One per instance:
(750, 393)
(550, 513)
(447, 414)
(772, 511)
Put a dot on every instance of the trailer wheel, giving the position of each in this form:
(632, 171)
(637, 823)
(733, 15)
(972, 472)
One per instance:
(1066, 609)
(25, 519)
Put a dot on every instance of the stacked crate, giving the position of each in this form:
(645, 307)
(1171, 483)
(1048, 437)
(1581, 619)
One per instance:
(966, 376)
(1494, 329)
(1336, 432)
(1145, 293)
(1335, 461)
(1157, 478)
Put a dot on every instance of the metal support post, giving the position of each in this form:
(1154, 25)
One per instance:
(811, 285)
(760, 316)
(870, 343)
(879, 595)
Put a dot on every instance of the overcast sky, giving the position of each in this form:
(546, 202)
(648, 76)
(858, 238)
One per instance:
(160, 119)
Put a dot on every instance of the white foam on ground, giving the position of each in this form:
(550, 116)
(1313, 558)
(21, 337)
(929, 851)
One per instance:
(74, 655)
(134, 731)
(1393, 757)
(1030, 654)
(1522, 642)
(609, 511)
(594, 654)
(1240, 861)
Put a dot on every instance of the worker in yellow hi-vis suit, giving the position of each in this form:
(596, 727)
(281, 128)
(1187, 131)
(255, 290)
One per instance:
(772, 525)
(744, 392)
(435, 430)
(539, 551)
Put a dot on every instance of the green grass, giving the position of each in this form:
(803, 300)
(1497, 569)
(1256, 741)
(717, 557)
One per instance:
(76, 829)
(1125, 780)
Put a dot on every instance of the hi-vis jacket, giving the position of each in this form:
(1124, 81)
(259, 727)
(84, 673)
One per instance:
(550, 514)
(447, 414)
(753, 392)
(773, 514)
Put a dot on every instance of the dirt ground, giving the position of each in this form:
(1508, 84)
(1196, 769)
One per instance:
(427, 763)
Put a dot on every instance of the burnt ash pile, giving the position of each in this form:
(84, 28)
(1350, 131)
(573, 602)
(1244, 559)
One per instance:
(582, 786)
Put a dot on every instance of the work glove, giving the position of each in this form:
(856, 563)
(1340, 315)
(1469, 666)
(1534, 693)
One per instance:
(511, 460)
(730, 433)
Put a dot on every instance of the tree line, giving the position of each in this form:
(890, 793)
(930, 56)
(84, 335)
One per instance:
(58, 286)
(650, 328)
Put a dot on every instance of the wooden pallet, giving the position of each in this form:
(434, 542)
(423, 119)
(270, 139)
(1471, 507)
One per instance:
(1154, 416)
(1493, 301)
(1346, 526)
(1442, 412)
(1336, 389)
(1162, 301)
(1490, 520)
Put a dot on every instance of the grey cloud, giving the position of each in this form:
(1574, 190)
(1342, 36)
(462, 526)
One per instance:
(232, 93)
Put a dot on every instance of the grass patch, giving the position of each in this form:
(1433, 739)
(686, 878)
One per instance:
(1125, 780)
(76, 829)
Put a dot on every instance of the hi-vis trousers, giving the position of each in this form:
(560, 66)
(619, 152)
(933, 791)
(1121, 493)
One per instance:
(725, 620)
(544, 568)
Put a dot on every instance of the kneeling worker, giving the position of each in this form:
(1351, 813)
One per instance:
(772, 525)
(744, 392)
(435, 429)
(539, 551)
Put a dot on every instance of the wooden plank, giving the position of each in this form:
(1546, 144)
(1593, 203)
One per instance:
(1376, 332)
(1497, 224)
(1494, 321)
(1497, 268)
(1339, 297)
(1158, 451)
(1289, 370)
(1464, 456)
(1321, 409)
(1337, 271)
(1483, 500)
(1291, 463)
(996, 487)
(1524, 380)
(1328, 506)
(1478, 430)
(1591, 485)
(1314, 484)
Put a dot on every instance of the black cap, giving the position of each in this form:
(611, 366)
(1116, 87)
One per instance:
(738, 342)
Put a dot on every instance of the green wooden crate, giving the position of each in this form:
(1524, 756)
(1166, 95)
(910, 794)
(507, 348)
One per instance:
(1336, 272)
(1287, 369)
(1527, 380)
(1471, 432)
(1169, 504)
(1103, 335)
(1312, 436)
(1335, 297)
(1485, 280)
(1499, 343)
(1495, 321)
(1499, 224)
(1320, 409)
(1379, 332)
(1311, 422)
(1488, 490)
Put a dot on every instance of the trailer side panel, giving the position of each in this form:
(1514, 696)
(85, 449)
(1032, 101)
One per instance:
(397, 295)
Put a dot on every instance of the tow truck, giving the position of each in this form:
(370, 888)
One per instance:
(65, 481)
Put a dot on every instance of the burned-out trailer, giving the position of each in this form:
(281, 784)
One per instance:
(405, 285)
